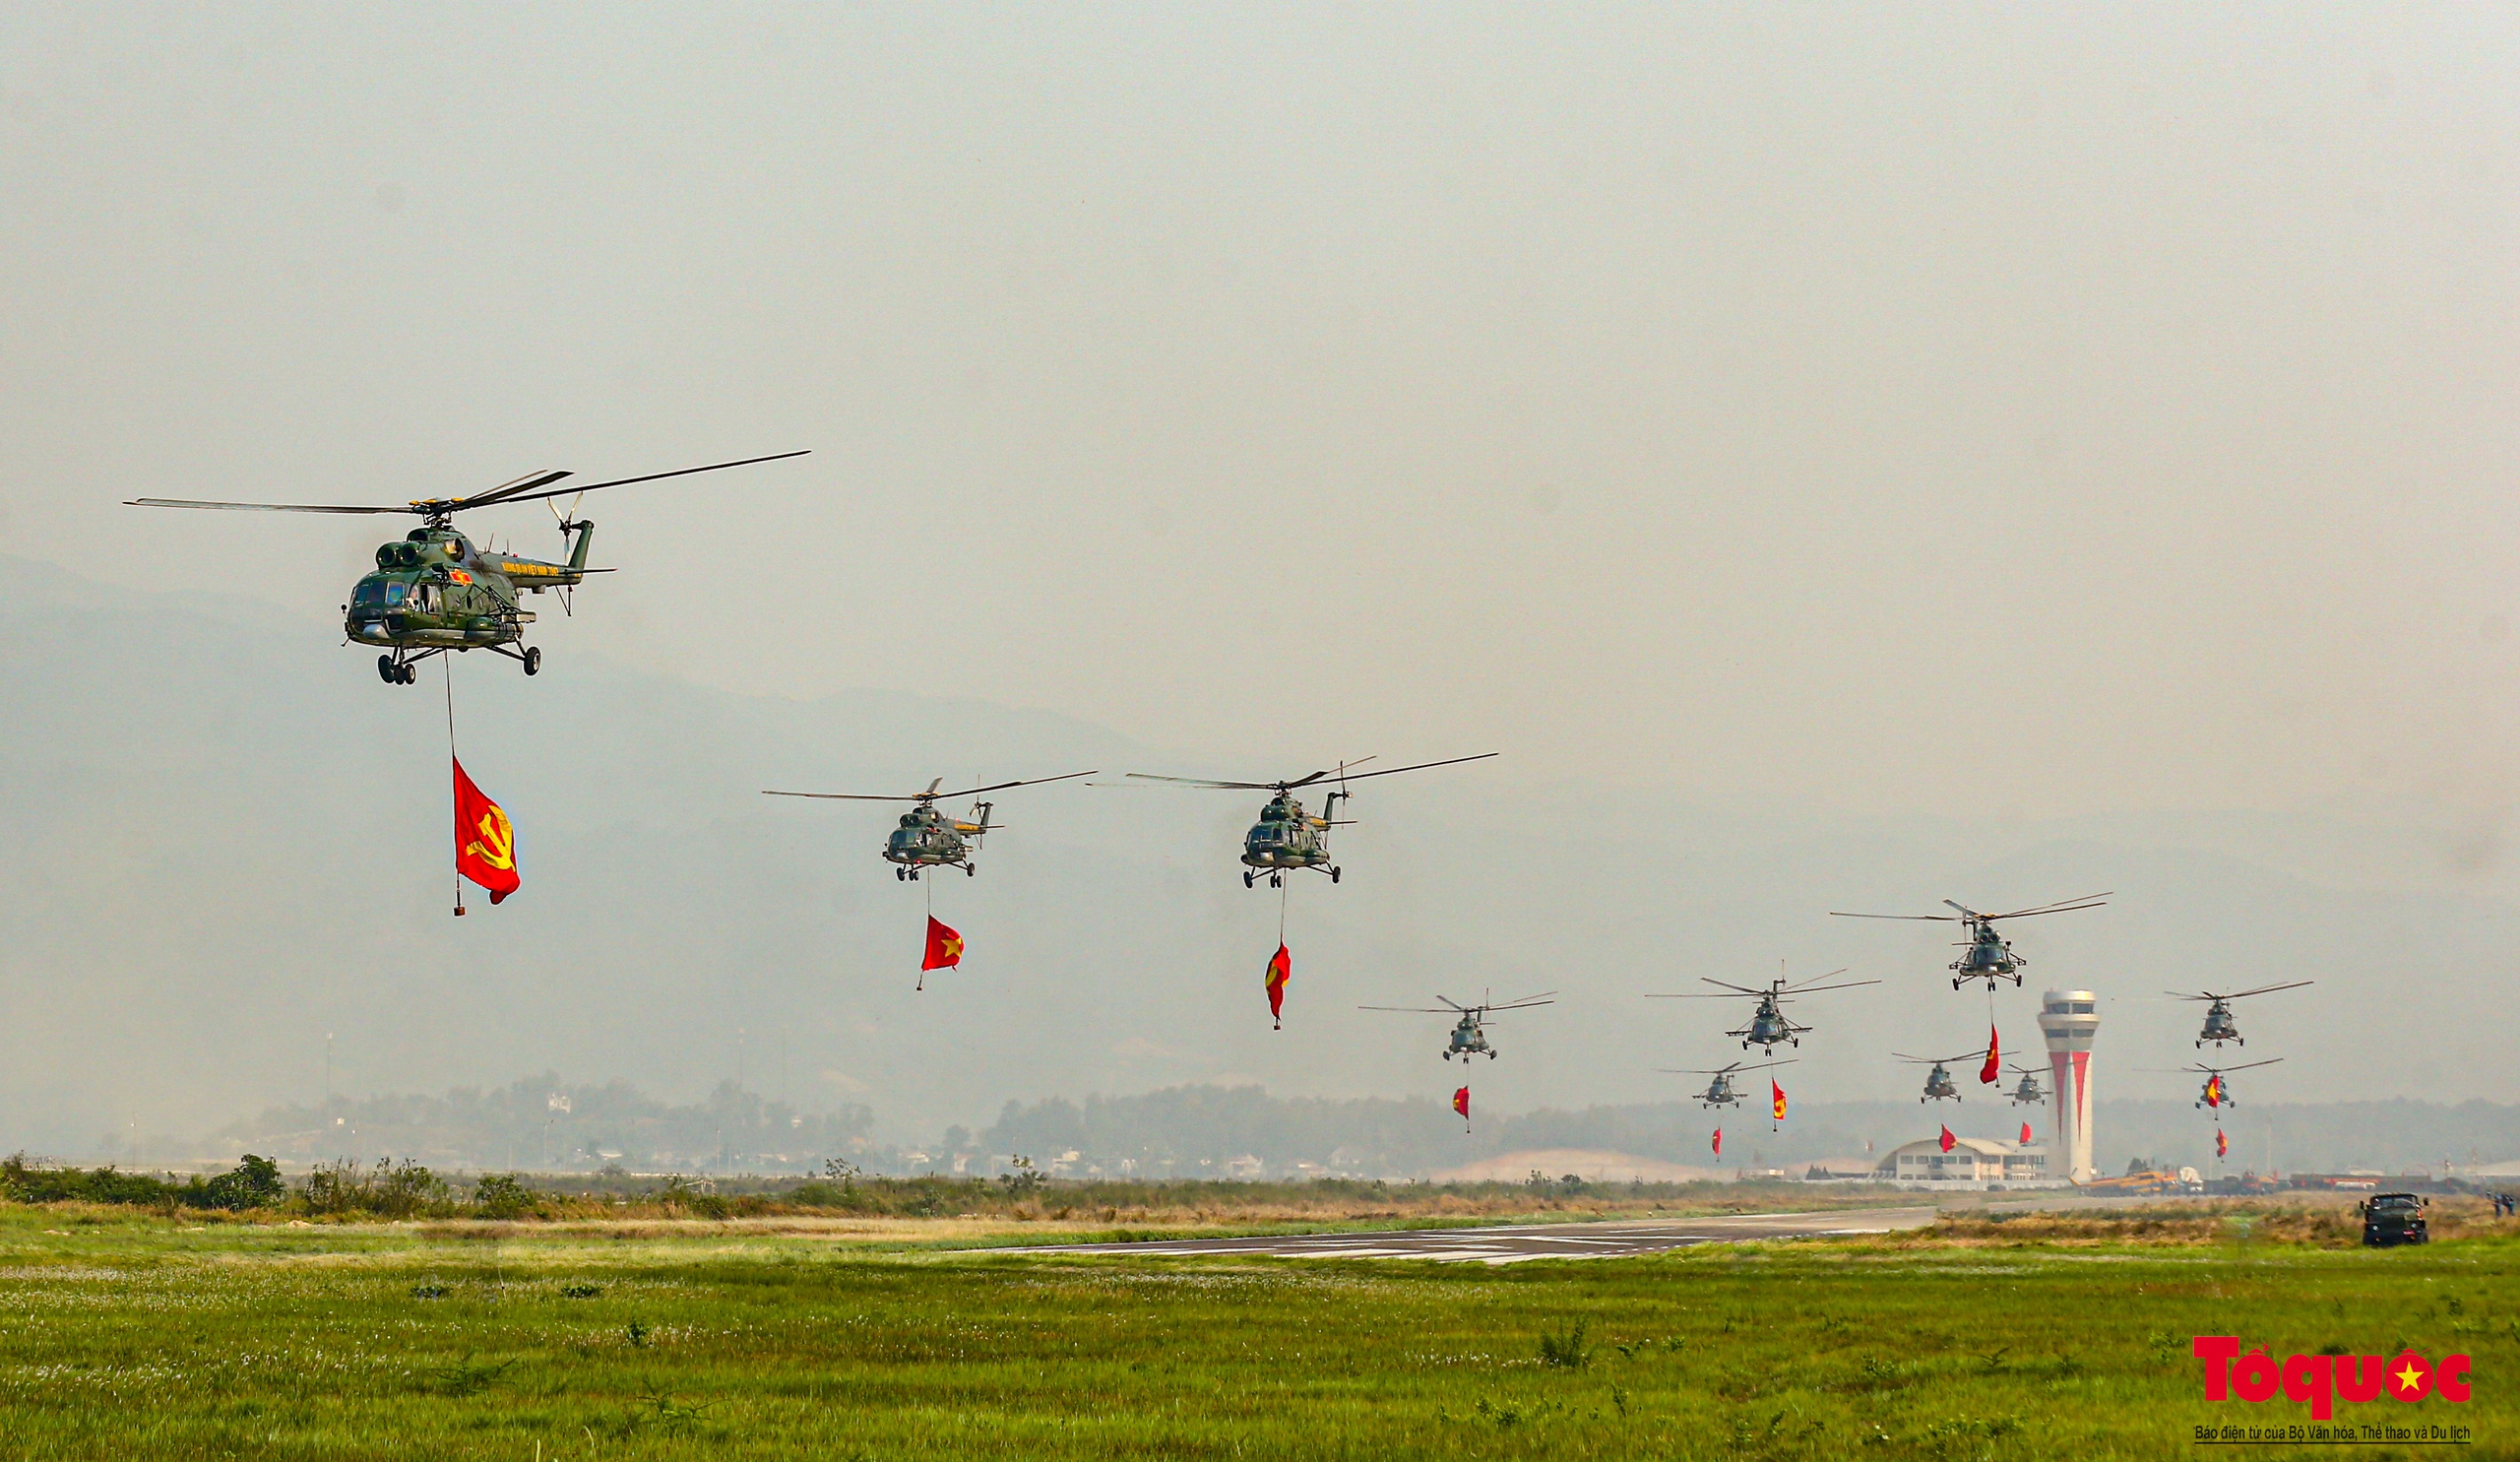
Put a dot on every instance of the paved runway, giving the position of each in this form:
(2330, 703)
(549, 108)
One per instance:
(1513, 1244)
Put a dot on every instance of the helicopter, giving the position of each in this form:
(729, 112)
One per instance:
(927, 838)
(2217, 1093)
(2030, 1093)
(1938, 1083)
(2220, 1025)
(1769, 1023)
(1287, 838)
(1470, 1038)
(1988, 955)
(435, 589)
(1720, 1092)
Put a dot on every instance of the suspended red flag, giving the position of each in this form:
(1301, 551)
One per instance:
(1282, 968)
(1461, 1103)
(944, 946)
(1776, 1095)
(2214, 1090)
(1948, 1141)
(1719, 1142)
(1994, 1070)
(2025, 1134)
(2222, 1144)
(485, 842)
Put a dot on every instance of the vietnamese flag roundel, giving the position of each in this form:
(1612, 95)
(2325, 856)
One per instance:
(485, 842)
(1282, 968)
(944, 946)
(1948, 1141)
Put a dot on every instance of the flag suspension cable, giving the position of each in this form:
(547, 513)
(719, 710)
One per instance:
(930, 885)
(446, 663)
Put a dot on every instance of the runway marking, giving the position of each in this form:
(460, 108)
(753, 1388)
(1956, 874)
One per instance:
(1513, 1244)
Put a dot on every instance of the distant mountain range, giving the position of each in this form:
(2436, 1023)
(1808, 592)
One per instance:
(228, 841)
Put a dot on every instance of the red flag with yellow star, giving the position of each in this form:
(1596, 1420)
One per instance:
(485, 842)
(1994, 1070)
(1282, 968)
(1461, 1103)
(1948, 1141)
(2214, 1090)
(2222, 1144)
(944, 946)
(1776, 1095)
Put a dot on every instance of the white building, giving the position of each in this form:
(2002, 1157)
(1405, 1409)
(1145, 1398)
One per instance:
(1971, 1162)
(2069, 1018)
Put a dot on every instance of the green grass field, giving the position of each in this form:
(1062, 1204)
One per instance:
(137, 1336)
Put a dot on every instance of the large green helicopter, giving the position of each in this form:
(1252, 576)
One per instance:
(1721, 1092)
(1769, 1025)
(1470, 1033)
(1988, 955)
(434, 590)
(1287, 838)
(927, 838)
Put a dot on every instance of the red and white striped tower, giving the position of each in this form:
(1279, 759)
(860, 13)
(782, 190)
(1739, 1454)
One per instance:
(2069, 1018)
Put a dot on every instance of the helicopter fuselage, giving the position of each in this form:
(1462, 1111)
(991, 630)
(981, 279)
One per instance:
(1468, 1040)
(1768, 1027)
(1938, 1085)
(1988, 956)
(2029, 1092)
(1287, 838)
(929, 839)
(2219, 1025)
(1719, 1093)
(435, 591)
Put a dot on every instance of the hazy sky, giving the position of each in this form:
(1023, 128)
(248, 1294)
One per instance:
(2099, 411)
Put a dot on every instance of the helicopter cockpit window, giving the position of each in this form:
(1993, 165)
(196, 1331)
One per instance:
(369, 592)
(394, 593)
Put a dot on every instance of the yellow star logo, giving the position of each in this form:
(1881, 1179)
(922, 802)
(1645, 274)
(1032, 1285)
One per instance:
(2409, 1379)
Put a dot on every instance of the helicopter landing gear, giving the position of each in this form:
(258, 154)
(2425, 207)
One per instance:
(1277, 880)
(1334, 872)
(534, 660)
(897, 874)
(1492, 1055)
(1246, 878)
(387, 671)
(971, 870)
(914, 874)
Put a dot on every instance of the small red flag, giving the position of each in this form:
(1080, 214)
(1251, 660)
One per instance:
(1776, 1095)
(1994, 1070)
(2222, 1144)
(484, 843)
(1949, 1141)
(1282, 968)
(2025, 1134)
(2214, 1090)
(944, 946)
(1461, 1103)
(1719, 1142)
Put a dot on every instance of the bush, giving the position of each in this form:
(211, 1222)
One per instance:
(254, 1182)
(499, 1195)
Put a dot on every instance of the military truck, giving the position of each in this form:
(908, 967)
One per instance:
(2393, 1218)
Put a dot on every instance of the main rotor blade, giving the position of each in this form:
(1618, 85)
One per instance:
(2266, 988)
(1545, 997)
(254, 507)
(1728, 985)
(1394, 771)
(845, 797)
(1414, 1009)
(2184, 995)
(1002, 786)
(1813, 989)
(1832, 975)
(1204, 782)
(1930, 917)
(2250, 1067)
(645, 477)
(526, 483)
(2062, 906)
(1703, 996)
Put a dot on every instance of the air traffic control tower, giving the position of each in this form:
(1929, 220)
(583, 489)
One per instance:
(2069, 1018)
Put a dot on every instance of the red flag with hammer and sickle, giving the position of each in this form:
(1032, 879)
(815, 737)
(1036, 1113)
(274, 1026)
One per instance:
(1282, 968)
(1994, 1070)
(485, 842)
(944, 946)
